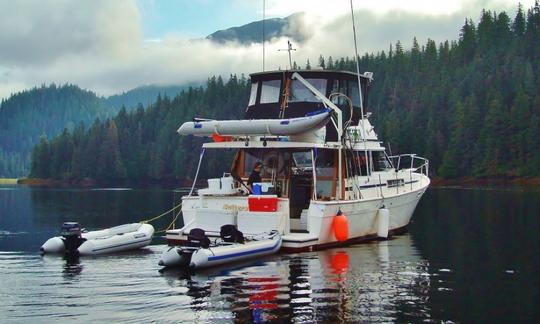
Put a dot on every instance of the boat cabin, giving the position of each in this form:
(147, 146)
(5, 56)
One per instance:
(278, 95)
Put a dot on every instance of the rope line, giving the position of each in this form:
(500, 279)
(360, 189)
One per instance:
(161, 215)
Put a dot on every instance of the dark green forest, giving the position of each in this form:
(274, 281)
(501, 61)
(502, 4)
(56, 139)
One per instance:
(471, 106)
(27, 115)
(48, 110)
(141, 144)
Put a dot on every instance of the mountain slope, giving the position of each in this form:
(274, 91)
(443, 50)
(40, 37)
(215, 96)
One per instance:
(47, 110)
(144, 95)
(290, 26)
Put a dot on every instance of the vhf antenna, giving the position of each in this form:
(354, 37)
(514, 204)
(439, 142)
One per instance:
(263, 30)
(289, 49)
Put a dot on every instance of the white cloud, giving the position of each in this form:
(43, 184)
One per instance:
(99, 44)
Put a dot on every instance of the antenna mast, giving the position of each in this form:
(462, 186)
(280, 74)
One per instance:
(368, 168)
(289, 49)
(264, 32)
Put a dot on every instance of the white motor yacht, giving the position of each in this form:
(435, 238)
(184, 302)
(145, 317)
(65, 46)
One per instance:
(325, 184)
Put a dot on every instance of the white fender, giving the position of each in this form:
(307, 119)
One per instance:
(53, 245)
(383, 222)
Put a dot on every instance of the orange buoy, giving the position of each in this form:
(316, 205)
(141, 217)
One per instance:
(340, 226)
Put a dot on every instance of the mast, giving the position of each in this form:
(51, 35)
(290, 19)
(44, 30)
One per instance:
(289, 49)
(368, 167)
(264, 33)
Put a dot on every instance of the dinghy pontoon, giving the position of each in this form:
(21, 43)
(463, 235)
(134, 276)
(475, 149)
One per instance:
(121, 238)
(200, 252)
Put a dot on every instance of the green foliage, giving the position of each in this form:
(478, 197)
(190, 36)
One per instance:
(142, 144)
(46, 110)
(471, 106)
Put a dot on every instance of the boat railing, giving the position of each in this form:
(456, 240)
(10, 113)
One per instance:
(410, 162)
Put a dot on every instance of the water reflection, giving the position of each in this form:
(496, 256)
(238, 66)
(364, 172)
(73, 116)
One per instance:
(470, 257)
(382, 281)
(73, 266)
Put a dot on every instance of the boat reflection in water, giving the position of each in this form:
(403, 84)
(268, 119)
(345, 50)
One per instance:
(381, 281)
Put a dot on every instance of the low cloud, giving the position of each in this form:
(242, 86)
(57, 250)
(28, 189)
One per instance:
(99, 44)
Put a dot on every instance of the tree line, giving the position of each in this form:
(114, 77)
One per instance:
(141, 144)
(471, 106)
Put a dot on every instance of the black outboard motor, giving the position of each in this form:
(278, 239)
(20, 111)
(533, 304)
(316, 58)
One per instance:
(71, 235)
(229, 233)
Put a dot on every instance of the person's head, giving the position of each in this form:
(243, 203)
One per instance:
(257, 167)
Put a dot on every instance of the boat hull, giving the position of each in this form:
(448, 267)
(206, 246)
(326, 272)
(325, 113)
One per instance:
(362, 216)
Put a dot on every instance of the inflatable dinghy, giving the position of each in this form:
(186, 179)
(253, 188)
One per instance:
(199, 252)
(115, 239)
(275, 127)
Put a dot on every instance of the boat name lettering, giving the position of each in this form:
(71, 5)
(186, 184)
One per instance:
(234, 207)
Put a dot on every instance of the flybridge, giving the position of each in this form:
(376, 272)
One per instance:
(281, 94)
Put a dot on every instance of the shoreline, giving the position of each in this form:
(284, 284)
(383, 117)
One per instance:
(482, 182)
(9, 181)
(84, 183)
(91, 183)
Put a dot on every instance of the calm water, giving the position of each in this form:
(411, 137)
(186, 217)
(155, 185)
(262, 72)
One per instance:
(471, 256)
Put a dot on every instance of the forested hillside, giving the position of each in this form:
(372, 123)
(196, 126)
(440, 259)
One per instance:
(471, 106)
(141, 144)
(46, 110)
(145, 95)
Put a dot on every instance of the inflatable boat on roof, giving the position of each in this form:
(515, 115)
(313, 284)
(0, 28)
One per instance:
(247, 127)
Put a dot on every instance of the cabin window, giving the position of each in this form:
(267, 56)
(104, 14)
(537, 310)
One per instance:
(253, 96)
(326, 175)
(380, 162)
(275, 163)
(300, 93)
(355, 163)
(302, 159)
(348, 88)
(270, 91)
(340, 86)
(353, 93)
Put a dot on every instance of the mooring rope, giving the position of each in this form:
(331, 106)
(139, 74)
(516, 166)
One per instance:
(160, 215)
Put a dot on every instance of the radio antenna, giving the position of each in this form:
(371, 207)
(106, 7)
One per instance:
(264, 31)
(368, 168)
(289, 49)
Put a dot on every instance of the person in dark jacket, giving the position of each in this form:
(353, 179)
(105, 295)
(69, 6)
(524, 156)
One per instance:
(255, 175)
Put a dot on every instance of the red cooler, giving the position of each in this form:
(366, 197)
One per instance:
(262, 203)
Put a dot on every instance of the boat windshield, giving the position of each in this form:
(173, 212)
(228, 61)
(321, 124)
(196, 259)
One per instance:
(270, 91)
(302, 159)
(299, 92)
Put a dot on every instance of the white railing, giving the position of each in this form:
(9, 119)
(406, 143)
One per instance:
(416, 164)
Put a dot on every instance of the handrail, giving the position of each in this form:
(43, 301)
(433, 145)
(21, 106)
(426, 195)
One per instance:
(422, 168)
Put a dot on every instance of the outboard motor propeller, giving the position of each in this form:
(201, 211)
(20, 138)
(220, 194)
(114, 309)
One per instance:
(71, 235)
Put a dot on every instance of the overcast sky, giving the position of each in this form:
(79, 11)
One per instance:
(113, 46)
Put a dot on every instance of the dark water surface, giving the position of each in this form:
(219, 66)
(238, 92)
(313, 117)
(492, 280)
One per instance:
(471, 255)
